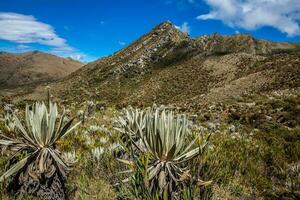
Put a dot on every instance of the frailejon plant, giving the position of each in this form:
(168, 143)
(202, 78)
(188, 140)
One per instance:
(9, 117)
(70, 157)
(97, 153)
(131, 123)
(36, 166)
(166, 138)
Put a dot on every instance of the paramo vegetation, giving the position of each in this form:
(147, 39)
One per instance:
(250, 151)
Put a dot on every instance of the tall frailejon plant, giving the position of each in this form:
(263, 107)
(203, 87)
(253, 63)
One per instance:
(131, 123)
(35, 163)
(166, 137)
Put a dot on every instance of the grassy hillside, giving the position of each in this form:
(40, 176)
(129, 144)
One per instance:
(26, 70)
(167, 67)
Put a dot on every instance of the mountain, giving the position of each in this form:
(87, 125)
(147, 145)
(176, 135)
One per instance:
(32, 68)
(166, 66)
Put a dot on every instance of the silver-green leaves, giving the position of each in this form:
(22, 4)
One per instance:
(9, 117)
(164, 136)
(37, 138)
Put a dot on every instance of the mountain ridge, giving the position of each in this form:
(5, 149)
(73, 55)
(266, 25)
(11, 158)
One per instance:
(33, 67)
(167, 66)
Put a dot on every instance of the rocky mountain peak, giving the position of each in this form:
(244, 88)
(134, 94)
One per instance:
(148, 49)
(164, 25)
(167, 29)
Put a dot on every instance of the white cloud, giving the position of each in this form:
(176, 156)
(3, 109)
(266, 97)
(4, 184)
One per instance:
(78, 57)
(283, 15)
(26, 29)
(184, 27)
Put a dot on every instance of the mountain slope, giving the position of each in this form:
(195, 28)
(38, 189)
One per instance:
(166, 66)
(32, 68)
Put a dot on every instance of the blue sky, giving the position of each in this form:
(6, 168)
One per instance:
(90, 29)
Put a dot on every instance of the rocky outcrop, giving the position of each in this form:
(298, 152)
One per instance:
(152, 47)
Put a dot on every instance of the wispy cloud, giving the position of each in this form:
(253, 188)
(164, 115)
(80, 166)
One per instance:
(283, 15)
(185, 27)
(24, 29)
